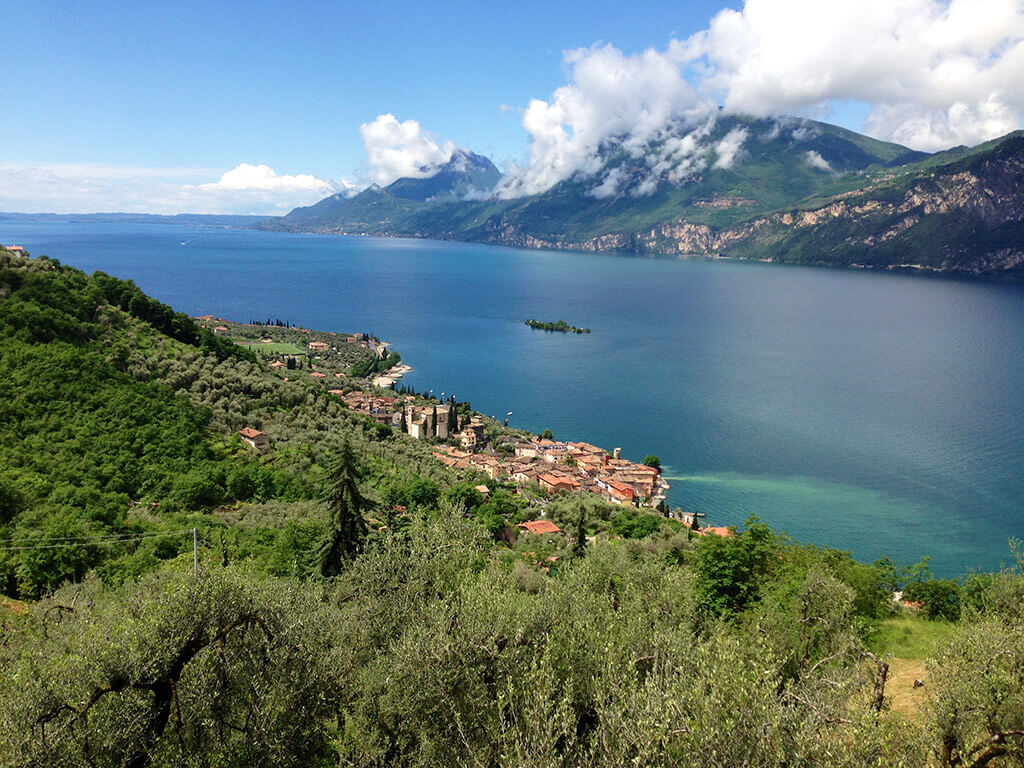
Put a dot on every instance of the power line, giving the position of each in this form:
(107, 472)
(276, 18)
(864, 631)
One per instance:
(50, 539)
(96, 541)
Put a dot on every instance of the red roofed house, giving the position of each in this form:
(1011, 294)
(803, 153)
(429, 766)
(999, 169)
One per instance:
(254, 438)
(619, 492)
(540, 527)
(556, 483)
(319, 346)
(318, 375)
(277, 364)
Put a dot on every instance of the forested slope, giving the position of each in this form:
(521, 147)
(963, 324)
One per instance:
(118, 416)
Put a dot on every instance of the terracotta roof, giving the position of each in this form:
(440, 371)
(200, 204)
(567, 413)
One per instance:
(560, 480)
(318, 376)
(249, 432)
(540, 526)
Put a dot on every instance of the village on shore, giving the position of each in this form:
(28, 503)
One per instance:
(554, 466)
(464, 440)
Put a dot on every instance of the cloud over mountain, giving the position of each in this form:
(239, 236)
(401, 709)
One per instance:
(398, 150)
(932, 73)
(929, 74)
(610, 95)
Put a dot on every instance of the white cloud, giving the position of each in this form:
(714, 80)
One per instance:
(729, 147)
(815, 160)
(92, 188)
(611, 96)
(610, 186)
(934, 73)
(805, 132)
(245, 177)
(398, 150)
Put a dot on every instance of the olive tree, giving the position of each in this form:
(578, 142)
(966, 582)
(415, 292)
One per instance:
(160, 672)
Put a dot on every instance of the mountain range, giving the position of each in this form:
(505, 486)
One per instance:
(788, 190)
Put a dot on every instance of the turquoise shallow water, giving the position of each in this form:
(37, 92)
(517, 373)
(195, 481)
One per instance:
(879, 413)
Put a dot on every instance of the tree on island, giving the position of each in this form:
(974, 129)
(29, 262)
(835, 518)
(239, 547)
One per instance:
(344, 503)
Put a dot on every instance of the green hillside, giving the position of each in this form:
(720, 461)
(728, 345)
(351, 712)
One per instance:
(119, 416)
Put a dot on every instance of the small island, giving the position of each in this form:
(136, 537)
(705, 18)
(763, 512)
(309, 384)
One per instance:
(561, 326)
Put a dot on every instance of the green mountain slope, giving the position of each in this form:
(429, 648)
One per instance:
(796, 190)
(962, 211)
(377, 209)
(119, 417)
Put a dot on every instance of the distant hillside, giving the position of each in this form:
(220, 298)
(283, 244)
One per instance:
(793, 191)
(381, 209)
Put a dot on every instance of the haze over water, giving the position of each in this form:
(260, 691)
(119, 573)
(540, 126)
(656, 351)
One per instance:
(879, 413)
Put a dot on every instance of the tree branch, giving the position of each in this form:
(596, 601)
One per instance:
(993, 747)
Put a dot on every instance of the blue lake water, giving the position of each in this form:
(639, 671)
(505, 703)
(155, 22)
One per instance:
(879, 413)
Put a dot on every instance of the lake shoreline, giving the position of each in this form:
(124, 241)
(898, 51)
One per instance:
(889, 396)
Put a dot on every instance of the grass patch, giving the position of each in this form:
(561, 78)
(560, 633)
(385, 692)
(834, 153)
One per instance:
(908, 637)
(15, 607)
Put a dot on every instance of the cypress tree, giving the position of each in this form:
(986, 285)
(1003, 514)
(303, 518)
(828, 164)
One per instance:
(433, 422)
(579, 547)
(344, 503)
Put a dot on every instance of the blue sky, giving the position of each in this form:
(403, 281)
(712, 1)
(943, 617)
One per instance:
(145, 106)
